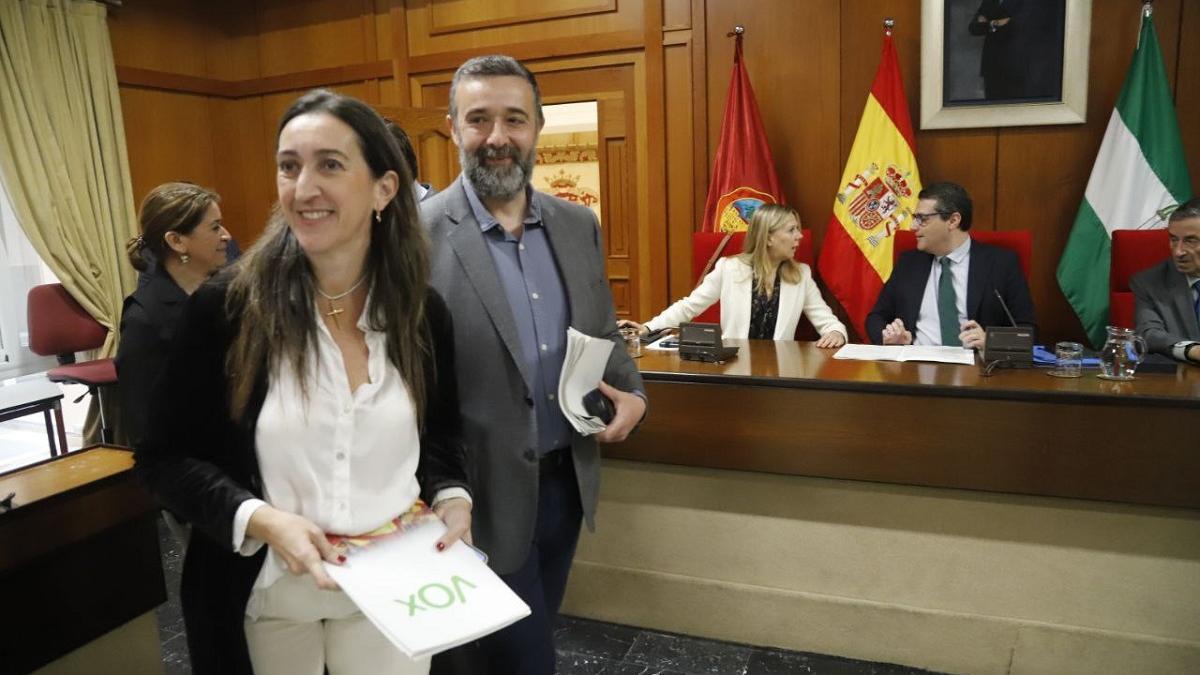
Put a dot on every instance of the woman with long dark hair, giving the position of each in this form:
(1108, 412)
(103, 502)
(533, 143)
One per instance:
(309, 392)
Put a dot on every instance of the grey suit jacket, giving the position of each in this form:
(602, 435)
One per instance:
(1163, 309)
(495, 391)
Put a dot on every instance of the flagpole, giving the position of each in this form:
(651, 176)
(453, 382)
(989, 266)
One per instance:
(888, 24)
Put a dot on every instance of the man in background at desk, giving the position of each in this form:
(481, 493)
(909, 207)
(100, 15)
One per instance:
(1167, 296)
(944, 293)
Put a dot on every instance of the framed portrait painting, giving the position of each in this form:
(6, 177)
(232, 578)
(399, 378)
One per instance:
(998, 63)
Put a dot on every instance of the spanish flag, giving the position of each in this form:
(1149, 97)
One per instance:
(876, 197)
(743, 175)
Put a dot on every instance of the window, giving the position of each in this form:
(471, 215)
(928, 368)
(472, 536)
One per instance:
(20, 269)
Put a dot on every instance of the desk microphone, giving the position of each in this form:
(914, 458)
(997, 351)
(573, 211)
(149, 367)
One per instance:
(1008, 346)
(1004, 305)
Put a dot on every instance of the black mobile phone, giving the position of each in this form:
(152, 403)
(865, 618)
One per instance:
(654, 335)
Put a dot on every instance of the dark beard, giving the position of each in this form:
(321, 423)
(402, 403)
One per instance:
(497, 182)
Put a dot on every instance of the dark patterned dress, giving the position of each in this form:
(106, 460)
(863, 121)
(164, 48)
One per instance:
(764, 310)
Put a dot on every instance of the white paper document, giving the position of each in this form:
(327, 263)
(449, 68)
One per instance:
(936, 354)
(423, 600)
(582, 370)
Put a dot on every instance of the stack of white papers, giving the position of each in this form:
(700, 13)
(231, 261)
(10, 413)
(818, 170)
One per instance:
(583, 368)
(958, 355)
(423, 600)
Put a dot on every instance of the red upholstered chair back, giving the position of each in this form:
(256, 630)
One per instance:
(705, 243)
(58, 324)
(1132, 251)
(1017, 241)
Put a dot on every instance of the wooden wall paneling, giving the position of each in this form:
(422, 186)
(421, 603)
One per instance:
(398, 22)
(169, 35)
(581, 46)
(439, 160)
(233, 56)
(796, 83)
(680, 203)
(454, 16)
(700, 153)
(676, 15)
(617, 215)
(301, 35)
(379, 22)
(1187, 90)
(650, 106)
(166, 138)
(370, 48)
(499, 29)
(245, 180)
(430, 136)
(388, 95)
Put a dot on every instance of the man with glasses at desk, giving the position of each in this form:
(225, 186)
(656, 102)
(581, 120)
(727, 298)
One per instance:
(1167, 296)
(950, 288)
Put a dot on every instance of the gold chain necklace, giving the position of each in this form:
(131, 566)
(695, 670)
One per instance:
(334, 311)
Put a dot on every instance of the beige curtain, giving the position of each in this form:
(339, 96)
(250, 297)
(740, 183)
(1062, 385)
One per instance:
(62, 149)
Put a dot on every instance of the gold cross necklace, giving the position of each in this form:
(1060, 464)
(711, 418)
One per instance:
(334, 311)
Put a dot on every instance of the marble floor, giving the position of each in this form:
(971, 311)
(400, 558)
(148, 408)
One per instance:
(585, 647)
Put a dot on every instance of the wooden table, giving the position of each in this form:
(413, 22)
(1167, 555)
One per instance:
(79, 555)
(34, 396)
(788, 407)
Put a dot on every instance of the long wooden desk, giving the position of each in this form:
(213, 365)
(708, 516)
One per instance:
(788, 407)
(79, 558)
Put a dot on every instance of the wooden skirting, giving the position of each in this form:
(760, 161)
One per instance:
(954, 581)
(235, 89)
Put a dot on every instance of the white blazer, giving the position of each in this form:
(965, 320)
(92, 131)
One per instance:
(730, 282)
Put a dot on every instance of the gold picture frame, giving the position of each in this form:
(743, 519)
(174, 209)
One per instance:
(1070, 107)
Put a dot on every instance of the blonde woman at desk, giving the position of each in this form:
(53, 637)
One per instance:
(763, 290)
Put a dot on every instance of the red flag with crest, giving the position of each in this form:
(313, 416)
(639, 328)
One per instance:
(743, 175)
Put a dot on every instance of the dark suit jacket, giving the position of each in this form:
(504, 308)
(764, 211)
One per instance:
(991, 269)
(148, 322)
(493, 387)
(1163, 309)
(202, 465)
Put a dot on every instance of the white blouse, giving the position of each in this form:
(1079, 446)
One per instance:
(346, 461)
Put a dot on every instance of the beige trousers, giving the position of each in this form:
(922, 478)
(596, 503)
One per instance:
(295, 628)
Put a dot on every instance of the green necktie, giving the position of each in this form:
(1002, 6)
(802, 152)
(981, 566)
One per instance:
(947, 310)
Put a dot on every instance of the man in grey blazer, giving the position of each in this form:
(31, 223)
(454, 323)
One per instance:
(517, 267)
(1167, 296)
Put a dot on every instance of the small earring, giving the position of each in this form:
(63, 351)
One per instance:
(378, 217)
(184, 258)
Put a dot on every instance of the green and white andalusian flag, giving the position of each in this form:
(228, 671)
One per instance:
(1139, 174)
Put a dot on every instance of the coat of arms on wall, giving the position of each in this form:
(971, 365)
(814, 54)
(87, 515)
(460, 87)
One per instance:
(566, 186)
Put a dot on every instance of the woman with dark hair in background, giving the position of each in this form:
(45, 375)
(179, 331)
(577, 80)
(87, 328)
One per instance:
(181, 228)
(310, 390)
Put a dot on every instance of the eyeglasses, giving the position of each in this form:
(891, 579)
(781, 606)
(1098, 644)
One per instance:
(920, 218)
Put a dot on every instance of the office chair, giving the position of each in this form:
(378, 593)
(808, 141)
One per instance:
(59, 326)
(1132, 251)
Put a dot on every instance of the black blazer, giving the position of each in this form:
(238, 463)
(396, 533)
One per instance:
(148, 321)
(202, 465)
(992, 268)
